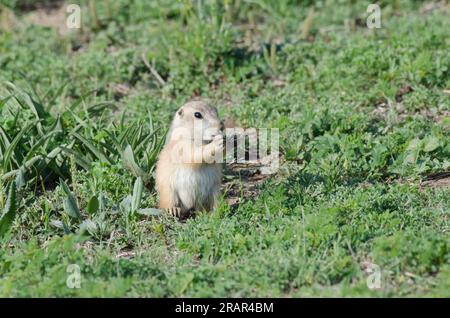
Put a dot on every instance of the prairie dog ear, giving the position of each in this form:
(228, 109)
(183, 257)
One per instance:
(180, 112)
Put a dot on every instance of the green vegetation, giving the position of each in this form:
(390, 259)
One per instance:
(364, 122)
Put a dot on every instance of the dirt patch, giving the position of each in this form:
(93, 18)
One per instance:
(242, 181)
(30, 5)
(437, 180)
(53, 17)
(432, 6)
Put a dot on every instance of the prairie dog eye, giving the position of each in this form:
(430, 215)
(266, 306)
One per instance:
(198, 115)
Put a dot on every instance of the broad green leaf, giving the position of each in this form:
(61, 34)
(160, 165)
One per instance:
(130, 163)
(411, 157)
(65, 227)
(430, 144)
(88, 226)
(3, 101)
(414, 144)
(137, 194)
(20, 178)
(12, 147)
(9, 212)
(93, 205)
(150, 212)
(5, 140)
(70, 203)
(125, 204)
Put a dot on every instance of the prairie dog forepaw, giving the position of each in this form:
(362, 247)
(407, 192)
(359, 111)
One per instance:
(217, 143)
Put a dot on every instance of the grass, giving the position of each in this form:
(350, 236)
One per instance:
(363, 118)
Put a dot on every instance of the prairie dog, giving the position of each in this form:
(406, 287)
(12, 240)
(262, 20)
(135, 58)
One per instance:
(187, 176)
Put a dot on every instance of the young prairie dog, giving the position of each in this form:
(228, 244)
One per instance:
(188, 177)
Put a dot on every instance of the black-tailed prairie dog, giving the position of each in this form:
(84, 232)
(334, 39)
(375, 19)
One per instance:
(189, 170)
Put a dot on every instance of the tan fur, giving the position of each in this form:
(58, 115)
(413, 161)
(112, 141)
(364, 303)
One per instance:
(193, 184)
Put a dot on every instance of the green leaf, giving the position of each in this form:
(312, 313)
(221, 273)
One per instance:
(446, 122)
(70, 203)
(81, 160)
(184, 282)
(93, 205)
(98, 108)
(66, 228)
(150, 212)
(97, 152)
(12, 147)
(88, 226)
(414, 144)
(130, 164)
(9, 212)
(3, 101)
(40, 142)
(24, 167)
(430, 143)
(411, 157)
(137, 194)
(125, 204)
(20, 178)
(4, 141)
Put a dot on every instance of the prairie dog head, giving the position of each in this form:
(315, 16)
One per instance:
(196, 120)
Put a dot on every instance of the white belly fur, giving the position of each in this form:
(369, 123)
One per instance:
(196, 186)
